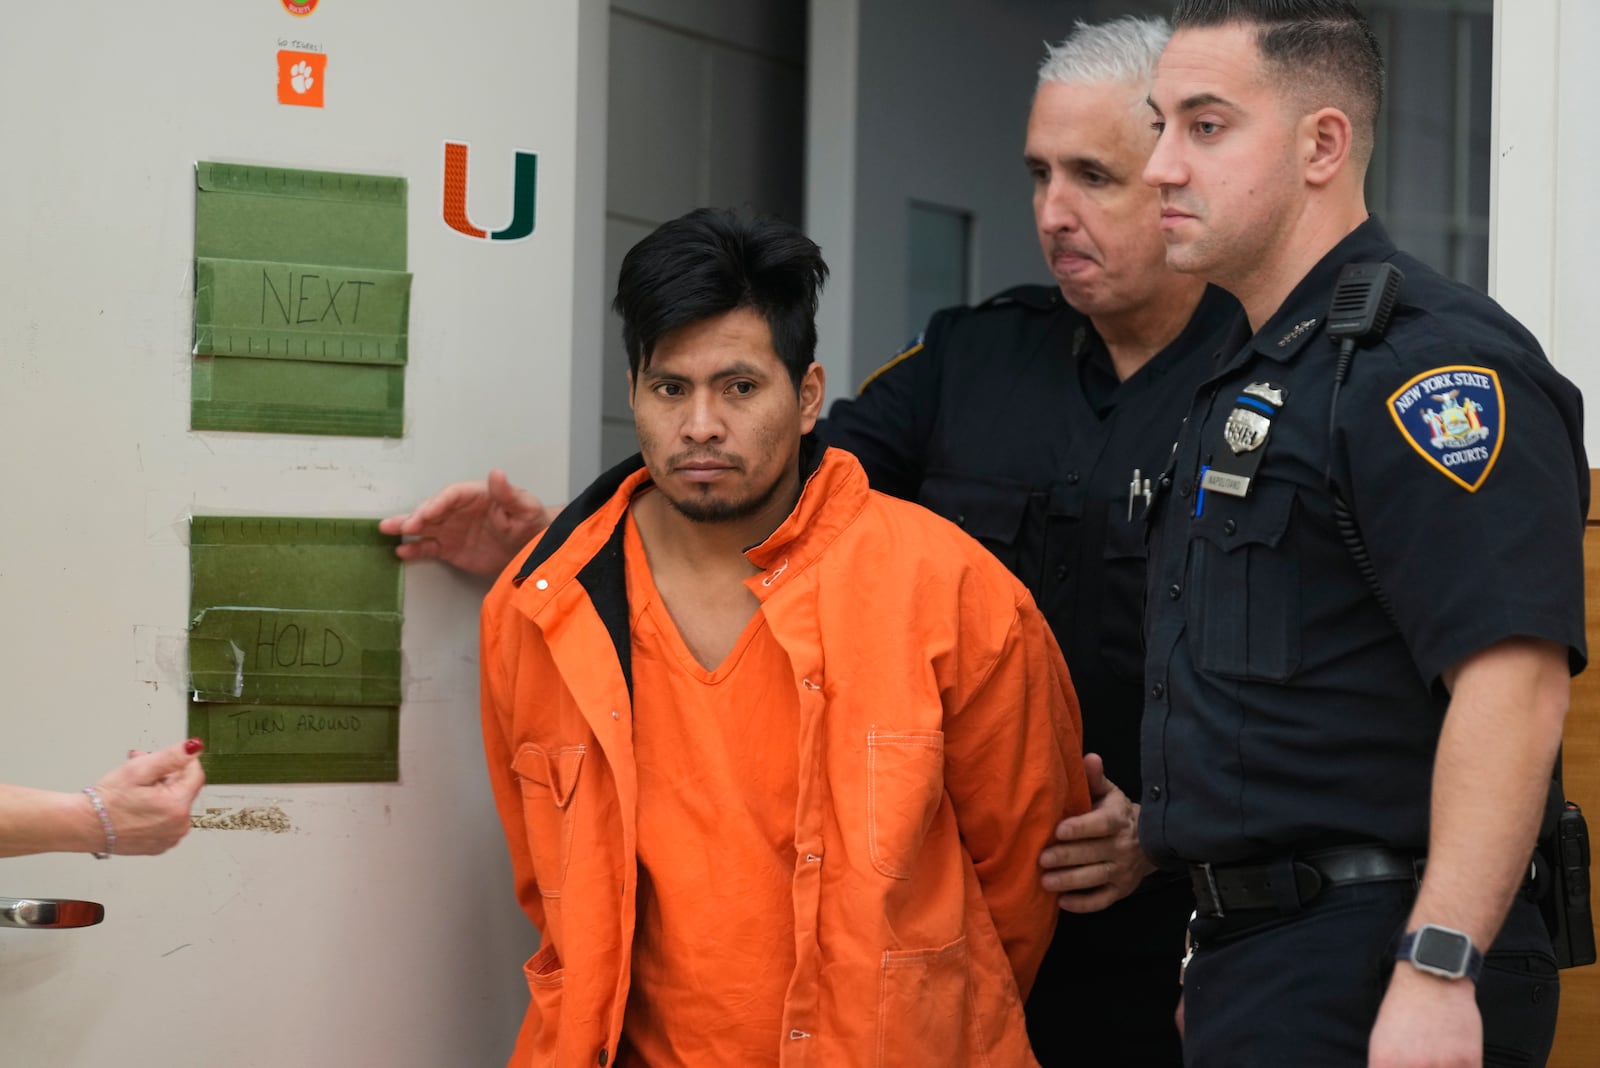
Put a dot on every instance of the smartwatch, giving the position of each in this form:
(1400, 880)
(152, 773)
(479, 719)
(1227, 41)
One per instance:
(1441, 951)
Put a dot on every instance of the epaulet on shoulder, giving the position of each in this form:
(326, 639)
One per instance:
(1034, 298)
(1039, 298)
(911, 348)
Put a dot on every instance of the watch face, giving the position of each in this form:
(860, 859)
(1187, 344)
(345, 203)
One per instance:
(1441, 951)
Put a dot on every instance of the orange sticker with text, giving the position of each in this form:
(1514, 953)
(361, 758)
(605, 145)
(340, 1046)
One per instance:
(299, 8)
(300, 77)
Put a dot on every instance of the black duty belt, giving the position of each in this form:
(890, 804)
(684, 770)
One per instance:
(1287, 885)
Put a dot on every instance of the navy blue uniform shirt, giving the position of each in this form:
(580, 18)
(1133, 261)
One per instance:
(1284, 710)
(1008, 419)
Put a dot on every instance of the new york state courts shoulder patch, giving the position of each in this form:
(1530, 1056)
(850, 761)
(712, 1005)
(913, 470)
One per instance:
(1455, 418)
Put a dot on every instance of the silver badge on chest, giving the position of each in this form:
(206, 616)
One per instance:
(1246, 431)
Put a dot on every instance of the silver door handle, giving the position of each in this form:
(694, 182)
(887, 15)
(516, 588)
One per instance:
(49, 912)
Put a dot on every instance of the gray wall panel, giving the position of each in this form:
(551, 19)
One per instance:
(775, 27)
(756, 152)
(655, 132)
(621, 235)
(707, 107)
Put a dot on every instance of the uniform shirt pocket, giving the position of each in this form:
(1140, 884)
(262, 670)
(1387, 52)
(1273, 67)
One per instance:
(990, 510)
(549, 779)
(1122, 605)
(1244, 586)
(905, 782)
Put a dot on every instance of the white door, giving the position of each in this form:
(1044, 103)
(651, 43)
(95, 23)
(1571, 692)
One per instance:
(377, 927)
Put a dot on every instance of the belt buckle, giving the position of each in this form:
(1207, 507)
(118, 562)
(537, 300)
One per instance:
(1211, 888)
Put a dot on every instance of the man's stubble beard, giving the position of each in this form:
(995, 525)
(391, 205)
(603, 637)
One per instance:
(723, 511)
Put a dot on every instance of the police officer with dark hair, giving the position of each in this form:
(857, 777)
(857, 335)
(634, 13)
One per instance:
(1366, 587)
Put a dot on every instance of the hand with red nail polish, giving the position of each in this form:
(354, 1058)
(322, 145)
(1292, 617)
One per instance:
(148, 799)
(139, 807)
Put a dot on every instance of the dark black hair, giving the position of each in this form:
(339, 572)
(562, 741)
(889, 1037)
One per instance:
(1317, 45)
(712, 261)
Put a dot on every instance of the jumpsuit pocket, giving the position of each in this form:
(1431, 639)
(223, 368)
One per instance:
(546, 977)
(925, 1007)
(1122, 605)
(905, 783)
(1244, 587)
(988, 509)
(549, 779)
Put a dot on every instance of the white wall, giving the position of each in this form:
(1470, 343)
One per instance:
(380, 930)
(1547, 153)
(938, 92)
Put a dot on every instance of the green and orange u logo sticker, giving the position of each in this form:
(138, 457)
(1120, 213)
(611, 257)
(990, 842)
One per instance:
(524, 195)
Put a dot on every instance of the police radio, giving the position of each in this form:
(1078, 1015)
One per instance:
(1363, 301)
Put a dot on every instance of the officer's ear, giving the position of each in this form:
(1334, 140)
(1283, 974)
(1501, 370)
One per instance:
(1325, 138)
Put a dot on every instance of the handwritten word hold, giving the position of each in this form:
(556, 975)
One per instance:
(291, 299)
(286, 645)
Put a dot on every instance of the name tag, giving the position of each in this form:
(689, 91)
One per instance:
(1222, 482)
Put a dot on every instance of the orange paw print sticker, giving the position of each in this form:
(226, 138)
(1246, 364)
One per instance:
(300, 78)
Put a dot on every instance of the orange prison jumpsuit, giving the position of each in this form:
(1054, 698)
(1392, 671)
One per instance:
(936, 745)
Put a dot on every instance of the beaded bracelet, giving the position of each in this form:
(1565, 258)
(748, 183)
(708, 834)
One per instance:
(105, 822)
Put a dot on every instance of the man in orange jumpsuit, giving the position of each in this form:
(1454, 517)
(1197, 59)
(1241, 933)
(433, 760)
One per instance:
(775, 754)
